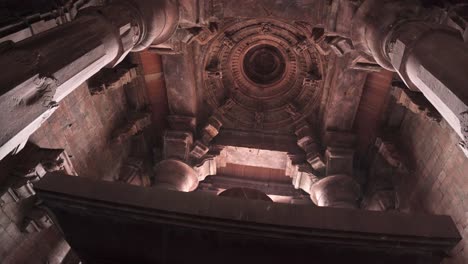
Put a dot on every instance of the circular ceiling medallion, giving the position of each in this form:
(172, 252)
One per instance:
(264, 69)
(264, 65)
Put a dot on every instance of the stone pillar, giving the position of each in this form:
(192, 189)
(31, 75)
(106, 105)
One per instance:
(338, 188)
(40, 71)
(429, 57)
(186, 162)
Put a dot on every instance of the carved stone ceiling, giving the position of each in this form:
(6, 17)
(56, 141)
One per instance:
(262, 74)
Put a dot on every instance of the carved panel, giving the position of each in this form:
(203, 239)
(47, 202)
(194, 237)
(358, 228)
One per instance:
(262, 66)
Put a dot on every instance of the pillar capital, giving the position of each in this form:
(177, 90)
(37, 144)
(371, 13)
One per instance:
(374, 21)
(175, 175)
(340, 191)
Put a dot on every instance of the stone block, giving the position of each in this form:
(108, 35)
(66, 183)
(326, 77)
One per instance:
(316, 161)
(182, 123)
(339, 161)
(4, 219)
(199, 150)
(14, 232)
(177, 144)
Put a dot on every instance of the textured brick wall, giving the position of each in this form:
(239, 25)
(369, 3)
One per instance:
(438, 182)
(83, 126)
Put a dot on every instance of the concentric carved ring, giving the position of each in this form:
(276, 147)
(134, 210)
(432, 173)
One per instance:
(267, 68)
(264, 65)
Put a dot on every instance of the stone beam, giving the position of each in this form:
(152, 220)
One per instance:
(144, 226)
(346, 86)
(270, 188)
(179, 74)
(40, 71)
(250, 139)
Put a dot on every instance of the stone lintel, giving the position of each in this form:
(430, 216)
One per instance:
(144, 214)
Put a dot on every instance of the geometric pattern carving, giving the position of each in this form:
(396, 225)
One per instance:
(259, 70)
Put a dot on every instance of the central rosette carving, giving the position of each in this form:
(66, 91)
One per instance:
(263, 68)
(264, 65)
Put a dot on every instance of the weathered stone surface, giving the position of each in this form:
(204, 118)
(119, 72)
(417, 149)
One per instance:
(180, 83)
(175, 175)
(137, 122)
(108, 79)
(339, 161)
(418, 104)
(339, 191)
(73, 52)
(177, 144)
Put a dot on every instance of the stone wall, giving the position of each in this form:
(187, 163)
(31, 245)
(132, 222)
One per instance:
(83, 125)
(438, 181)
(46, 246)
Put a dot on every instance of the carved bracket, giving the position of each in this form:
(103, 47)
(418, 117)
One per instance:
(307, 142)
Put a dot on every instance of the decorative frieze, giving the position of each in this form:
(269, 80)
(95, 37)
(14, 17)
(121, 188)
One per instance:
(302, 46)
(228, 42)
(266, 28)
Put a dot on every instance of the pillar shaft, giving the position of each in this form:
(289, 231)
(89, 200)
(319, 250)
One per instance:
(431, 58)
(40, 71)
(434, 60)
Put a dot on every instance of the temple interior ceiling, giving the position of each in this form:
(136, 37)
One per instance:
(354, 105)
(267, 72)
